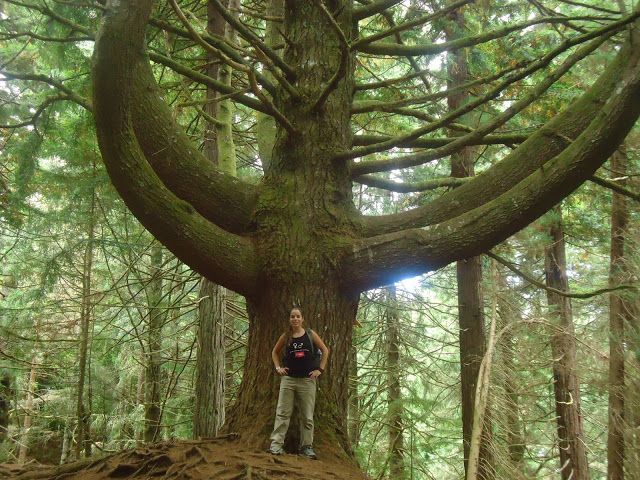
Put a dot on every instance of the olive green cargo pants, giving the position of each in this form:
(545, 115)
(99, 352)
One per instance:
(303, 392)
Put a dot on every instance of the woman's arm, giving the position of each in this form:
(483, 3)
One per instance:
(276, 355)
(323, 348)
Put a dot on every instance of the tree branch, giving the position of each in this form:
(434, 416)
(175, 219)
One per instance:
(605, 32)
(425, 142)
(533, 157)
(390, 49)
(431, 184)
(530, 279)
(253, 39)
(69, 94)
(413, 23)
(497, 122)
(603, 182)
(373, 8)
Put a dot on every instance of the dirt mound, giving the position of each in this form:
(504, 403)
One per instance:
(221, 458)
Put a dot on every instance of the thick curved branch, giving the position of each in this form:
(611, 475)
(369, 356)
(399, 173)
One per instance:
(135, 133)
(547, 142)
(377, 260)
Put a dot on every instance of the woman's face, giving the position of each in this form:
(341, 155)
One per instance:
(295, 318)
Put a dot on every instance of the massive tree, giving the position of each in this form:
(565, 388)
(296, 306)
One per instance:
(296, 237)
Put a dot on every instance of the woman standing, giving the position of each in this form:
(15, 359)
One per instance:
(299, 372)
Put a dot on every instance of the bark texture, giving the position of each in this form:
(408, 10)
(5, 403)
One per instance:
(619, 314)
(394, 400)
(571, 441)
(156, 316)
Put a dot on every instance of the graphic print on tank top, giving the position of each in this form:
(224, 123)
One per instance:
(299, 357)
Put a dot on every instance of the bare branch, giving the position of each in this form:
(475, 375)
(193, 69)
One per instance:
(413, 23)
(216, 85)
(69, 94)
(603, 33)
(603, 182)
(272, 110)
(253, 39)
(530, 279)
(344, 58)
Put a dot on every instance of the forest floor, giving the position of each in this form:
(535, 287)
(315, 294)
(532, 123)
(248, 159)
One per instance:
(220, 459)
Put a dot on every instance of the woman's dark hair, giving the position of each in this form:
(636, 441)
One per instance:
(289, 333)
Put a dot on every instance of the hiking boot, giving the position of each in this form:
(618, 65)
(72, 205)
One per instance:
(307, 452)
(275, 450)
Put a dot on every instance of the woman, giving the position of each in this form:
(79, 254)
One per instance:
(299, 371)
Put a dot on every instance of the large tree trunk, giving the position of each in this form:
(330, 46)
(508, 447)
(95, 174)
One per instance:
(619, 314)
(394, 399)
(573, 455)
(331, 315)
(305, 208)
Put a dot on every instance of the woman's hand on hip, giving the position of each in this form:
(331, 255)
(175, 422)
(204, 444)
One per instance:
(282, 371)
(315, 374)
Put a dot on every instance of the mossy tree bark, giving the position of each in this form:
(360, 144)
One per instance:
(297, 238)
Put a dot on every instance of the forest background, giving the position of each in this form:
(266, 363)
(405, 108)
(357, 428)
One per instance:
(105, 333)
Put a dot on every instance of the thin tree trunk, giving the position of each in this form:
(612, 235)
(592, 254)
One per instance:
(210, 365)
(5, 405)
(28, 408)
(82, 410)
(354, 399)
(619, 314)
(482, 395)
(153, 364)
(394, 395)
(469, 271)
(573, 455)
(507, 315)
(209, 410)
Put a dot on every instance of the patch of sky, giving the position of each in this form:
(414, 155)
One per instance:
(51, 163)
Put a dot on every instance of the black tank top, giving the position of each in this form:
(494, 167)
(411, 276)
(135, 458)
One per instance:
(299, 357)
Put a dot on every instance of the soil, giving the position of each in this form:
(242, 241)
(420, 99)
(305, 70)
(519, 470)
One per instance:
(221, 458)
